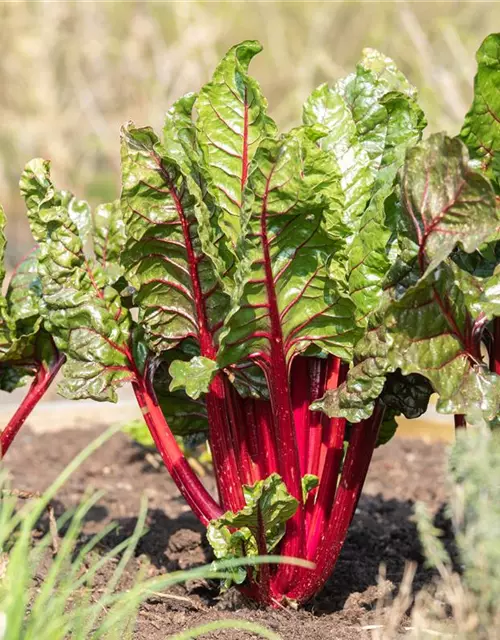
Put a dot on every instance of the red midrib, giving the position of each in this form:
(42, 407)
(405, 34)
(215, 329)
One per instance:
(288, 462)
(207, 347)
(225, 464)
(430, 228)
(279, 386)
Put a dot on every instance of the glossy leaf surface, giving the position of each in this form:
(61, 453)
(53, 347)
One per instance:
(82, 313)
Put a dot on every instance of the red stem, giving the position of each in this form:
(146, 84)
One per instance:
(188, 483)
(240, 424)
(264, 417)
(318, 374)
(359, 454)
(300, 389)
(319, 515)
(336, 372)
(226, 468)
(249, 430)
(43, 379)
(495, 349)
(223, 455)
(460, 422)
(279, 390)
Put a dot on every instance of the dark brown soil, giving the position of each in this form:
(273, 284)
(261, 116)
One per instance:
(382, 531)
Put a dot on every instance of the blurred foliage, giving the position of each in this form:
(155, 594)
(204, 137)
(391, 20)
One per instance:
(194, 447)
(72, 72)
(473, 597)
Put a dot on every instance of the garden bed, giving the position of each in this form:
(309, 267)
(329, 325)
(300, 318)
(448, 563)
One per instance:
(382, 531)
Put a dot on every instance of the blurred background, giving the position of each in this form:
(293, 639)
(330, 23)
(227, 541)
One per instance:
(72, 72)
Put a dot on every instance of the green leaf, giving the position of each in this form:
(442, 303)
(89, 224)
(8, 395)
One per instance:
(229, 546)
(40, 195)
(5, 322)
(84, 315)
(434, 333)
(3, 243)
(178, 292)
(355, 398)
(268, 504)
(368, 262)
(234, 535)
(24, 293)
(109, 235)
(309, 482)
(444, 201)
(408, 395)
(180, 142)
(388, 427)
(368, 257)
(184, 415)
(388, 76)
(481, 128)
(19, 321)
(285, 295)
(179, 132)
(326, 106)
(194, 376)
(231, 122)
(371, 118)
(12, 377)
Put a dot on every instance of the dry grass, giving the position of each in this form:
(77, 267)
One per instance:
(72, 72)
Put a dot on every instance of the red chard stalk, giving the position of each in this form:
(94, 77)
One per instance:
(283, 297)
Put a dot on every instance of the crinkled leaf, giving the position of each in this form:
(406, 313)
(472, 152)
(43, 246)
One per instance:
(180, 141)
(5, 322)
(3, 243)
(19, 321)
(24, 293)
(371, 119)
(40, 194)
(367, 92)
(234, 535)
(388, 76)
(326, 106)
(444, 201)
(355, 398)
(231, 122)
(109, 235)
(184, 415)
(481, 263)
(269, 504)
(408, 395)
(309, 482)
(84, 316)
(229, 546)
(179, 132)
(368, 262)
(13, 377)
(481, 128)
(435, 334)
(285, 297)
(368, 258)
(178, 293)
(194, 376)
(388, 427)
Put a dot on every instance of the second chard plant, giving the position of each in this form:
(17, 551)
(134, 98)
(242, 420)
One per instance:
(286, 295)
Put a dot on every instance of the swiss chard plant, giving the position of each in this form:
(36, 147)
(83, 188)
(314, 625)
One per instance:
(284, 296)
